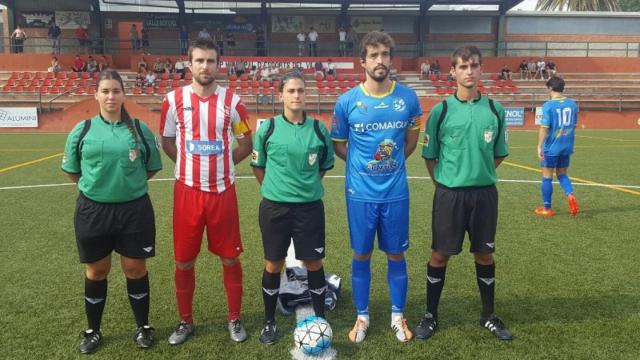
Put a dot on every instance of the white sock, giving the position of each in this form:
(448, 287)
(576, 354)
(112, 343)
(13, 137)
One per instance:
(364, 318)
(395, 315)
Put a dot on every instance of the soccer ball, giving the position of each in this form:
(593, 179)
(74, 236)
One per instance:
(313, 335)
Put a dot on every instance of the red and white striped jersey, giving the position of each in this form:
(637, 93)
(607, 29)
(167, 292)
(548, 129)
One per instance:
(204, 130)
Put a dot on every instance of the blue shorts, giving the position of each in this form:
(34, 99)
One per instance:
(555, 162)
(389, 220)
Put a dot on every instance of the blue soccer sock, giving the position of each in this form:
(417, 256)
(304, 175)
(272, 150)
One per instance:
(361, 281)
(565, 182)
(547, 192)
(397, 279)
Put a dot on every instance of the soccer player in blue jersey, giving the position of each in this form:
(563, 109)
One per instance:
(379, 120)
(555, 145)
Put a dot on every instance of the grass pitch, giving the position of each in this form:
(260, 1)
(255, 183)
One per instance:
(567, 288)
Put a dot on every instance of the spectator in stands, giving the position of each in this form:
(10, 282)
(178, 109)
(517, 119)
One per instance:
(82, 34)
(204, 34)
(393, 73)
(352, 39)
(103, 64)
(180, 67)
(319, 69)
(552, 70)
(505, 73)
(18, 37)
(141, 77)
(531, 69)
(274, 73)
(264, 74)
(218, 37)
(150, 79)
(135, 37)
(240, 68)
(78, 64)
(541, 69)
(331, 69)
(54, 35)
(168, 66)
(313, 42)
(435, 68)
(184, 40)
(158, 67)
(142, 64)
(231, 69)
(231, 43)
(523, 69)
(145, 40)
(342, 41)
(425, 69)
(55, 66)
(302, 38)
(260, 42)
(92, 65)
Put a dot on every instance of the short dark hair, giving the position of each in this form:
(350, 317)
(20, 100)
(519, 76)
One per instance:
(204, 44)
(288, 76)
(374, 38)
(556, 84)
(465, 53)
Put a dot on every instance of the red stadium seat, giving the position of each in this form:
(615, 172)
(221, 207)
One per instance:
(361, 77)
(233, 77)
(276, 85)
(162, 90)
(176, 77)
(7, 89)
(91, 90)
(79, 91)
(18, 89)
(330, 78)
(244, 77)
(43, 89)
(137, 91)
(55, 90)
(73, 75)
(340, 77)
(319, 77)
(188, 76)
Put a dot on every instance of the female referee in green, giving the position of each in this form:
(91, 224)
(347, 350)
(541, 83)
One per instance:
(291, 153)
(110, 157)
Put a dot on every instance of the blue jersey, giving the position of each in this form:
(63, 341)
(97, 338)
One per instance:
(375, 127)
(560, 116)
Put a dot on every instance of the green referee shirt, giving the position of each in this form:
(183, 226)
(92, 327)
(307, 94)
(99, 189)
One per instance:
(111, 164)
(466, 143)
(292, 159)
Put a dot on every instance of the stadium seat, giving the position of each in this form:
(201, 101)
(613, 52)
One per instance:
(37, 75)
(73, 75)
(30, 89)
(91, 90)
(340, 77)
(26, 75)
(149, 90)
(361, 77)
(55, 90)
(50, 75)
(443, 77)
(514, 89)
(176, 77)
(14, 75)
(244, 90)
(276, 85)
(233, 77)
(85, 75)
(352, 83)
(175, 84)
(163, 83)
(137, 91)
(162, 90)
(79, 91)
(244, 77)
(18, 89)
(188, 76)
(330, 78)
(7, 88)
(164, 76)
(43, 89)
(319, 77)
(441, 91)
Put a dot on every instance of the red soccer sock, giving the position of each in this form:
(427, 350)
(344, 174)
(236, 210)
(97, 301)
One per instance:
(185, 287)
(233, 287)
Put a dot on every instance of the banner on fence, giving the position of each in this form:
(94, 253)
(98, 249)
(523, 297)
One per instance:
(18, 117)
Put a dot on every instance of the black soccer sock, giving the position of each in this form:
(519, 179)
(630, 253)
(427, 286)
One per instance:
(95, 297)
(139, 298)
(318, 289)
(435, 283)
(486, 283)
(270, 292)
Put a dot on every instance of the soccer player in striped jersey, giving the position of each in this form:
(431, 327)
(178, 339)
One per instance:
(555, 145)
(198, 124)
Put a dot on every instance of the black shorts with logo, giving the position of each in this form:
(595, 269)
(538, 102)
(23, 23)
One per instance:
(304, 222)
(128, 228)
(456, 211)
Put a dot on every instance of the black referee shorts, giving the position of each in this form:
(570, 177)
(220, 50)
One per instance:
(304, 222)
(128, 228)
(460, 210)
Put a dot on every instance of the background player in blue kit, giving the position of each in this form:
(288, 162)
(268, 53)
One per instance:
(555, 145)
(380, 121)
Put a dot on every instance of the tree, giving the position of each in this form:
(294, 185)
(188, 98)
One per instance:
(630, 5)
(580, 5)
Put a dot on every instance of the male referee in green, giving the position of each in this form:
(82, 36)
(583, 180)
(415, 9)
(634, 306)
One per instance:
(465, 141)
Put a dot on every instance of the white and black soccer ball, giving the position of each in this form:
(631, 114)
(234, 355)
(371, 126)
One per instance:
(313, 335)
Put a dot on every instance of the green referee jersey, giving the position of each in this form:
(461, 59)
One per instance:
(466, 142)
(293, 157)
(111, 163)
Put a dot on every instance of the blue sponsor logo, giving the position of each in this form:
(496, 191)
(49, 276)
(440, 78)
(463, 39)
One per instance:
(205, 147)
(514, 116)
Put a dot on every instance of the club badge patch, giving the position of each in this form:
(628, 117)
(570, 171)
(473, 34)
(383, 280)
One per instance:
(488, 136)
(133, 155)
(312, 158)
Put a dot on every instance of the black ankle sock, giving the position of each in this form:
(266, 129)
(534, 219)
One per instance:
(318, 289)
(270, 291)
(486, 283)
(139, 298)
(435, 283)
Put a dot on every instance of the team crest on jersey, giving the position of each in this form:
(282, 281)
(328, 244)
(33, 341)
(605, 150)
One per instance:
(383, 158)
(133, 155)
(255, 155)
(399, 104)
(426, 139)
(313, 157)
(157, 141)
(488, 136)
(362, 107)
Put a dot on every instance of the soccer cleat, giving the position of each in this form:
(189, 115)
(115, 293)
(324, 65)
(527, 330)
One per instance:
(144, 337)
(90, 341)
(497, 327)
(182, 333)
(359, 331)
(268, 334)
(427, 327)
(574, 208)
(400, 329)
(541, 211)
(237, 331)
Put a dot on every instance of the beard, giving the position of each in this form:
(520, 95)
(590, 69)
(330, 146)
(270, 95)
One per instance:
(379, 78)
(203, 81)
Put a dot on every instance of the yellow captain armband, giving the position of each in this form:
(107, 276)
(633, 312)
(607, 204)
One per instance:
(240, 128)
